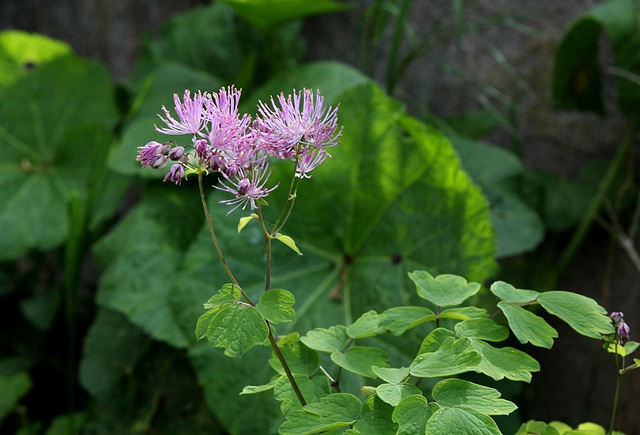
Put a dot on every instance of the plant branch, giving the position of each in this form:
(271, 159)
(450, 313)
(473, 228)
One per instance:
(285, 366)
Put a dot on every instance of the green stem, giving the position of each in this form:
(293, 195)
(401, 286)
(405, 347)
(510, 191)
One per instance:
(215, 239)
(286, 368)
(596, 201)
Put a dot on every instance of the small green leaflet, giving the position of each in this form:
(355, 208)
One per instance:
(277, 306)
(452, 358)
(465, 394)
(583, 314)
(245, 220)
(287, 241)
(333, 339)
(527, 326)
(443, 290)
(331, 412)
(359, 359)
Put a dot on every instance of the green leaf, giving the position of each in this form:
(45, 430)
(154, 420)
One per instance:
(465, 394)
(332, 412)
(287, 241)
(21, 52)
(245, 220)
(539, 427)
(483, 329)
(447, 421)
(67, 423)
(394, 393)
(333, 339)
(367, 325)
(375, 418)
(464, 313)
(583, 314)
(268, 14)
(54, 143)
(359, 359)
(12, 389)
(412, 414)
(435, 339)
(277, 306)
(504, 362)
(391, 375)
(509, 293)
(443, 290)
(577, 77)
(300, 359)
(312, 389)
(453, 357)
(528, 327)
(227, 294)
(254, 389)
(400, 319)
(237, 329)
(111, 350)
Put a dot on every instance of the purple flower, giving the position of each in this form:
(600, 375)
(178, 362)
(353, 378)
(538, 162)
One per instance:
(616, 317)
(623, 331)
(297, 125)
(175, 174)
(309, 161)
(190, 114)
(153, 154)
(248, 186)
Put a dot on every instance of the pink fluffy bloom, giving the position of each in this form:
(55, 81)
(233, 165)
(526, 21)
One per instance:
(190, 115)
(298, 124)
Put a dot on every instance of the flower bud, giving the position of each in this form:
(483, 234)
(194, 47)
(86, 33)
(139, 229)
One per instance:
(176, 153)
(175, 174)
(623, 331)
(159, 162)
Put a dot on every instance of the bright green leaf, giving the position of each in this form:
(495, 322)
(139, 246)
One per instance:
(332, 412)
(412, 414)
(300, 359)
(504, 362)
(333, 339)
(583, 314)
(312, 389)
(435, 339)
(443, 290)
(591, 429)
(228, 293)
(393, 394)
(465, 394)
(391, 375)
(367, 325)
(456, 420)
(287, 241)
(482, 329)
(509, 293)
(453, 357)
(237, 328)
(359, 359)
(528, 327)
(245, 220)
(375, 418)
(400, 319)
(277, 306)
(254, 389)
(464, 313)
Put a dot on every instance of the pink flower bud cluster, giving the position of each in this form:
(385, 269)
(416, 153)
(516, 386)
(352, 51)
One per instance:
(297, 128)
(622, 329)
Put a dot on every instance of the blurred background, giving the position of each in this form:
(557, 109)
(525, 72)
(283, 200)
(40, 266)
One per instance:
(480, 65)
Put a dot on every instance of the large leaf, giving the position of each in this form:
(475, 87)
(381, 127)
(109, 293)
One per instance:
(54, 143)
(465, 394)
(583, 314)
(460, 421)
(267, 14)
(335, 411)
(452, 357)
(577, 79)
(528, 327)
(21, 52)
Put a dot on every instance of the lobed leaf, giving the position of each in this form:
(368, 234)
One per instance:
(333, 339)
(300, 359)
(277, 306)
(391, 375)
(528, 327)
(394, 393)
(375, 418)
(583, 314)
(367, 325)
(465, 394)
(332, 412)
(400, 319)
(452, 357)
(509, 293)
(360, 359)
(412, 414)
(237, 329)
(460, 421)
(443, 290)
(504, 362)
(482, 329)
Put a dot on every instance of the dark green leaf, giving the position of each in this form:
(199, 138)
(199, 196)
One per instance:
(393, 394)
(435, 339)
(399, 319)
(412, 414)
(366, 325)
(376, 418)
(460, 421)
(312, 389)
(300, 359)
(391, 375)
(12, 389)
(237, 329)
(509, 293)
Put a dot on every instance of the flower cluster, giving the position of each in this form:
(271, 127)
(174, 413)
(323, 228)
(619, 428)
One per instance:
(621, 326)
(297, 128)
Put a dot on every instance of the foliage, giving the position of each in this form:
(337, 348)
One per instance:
(380, 329)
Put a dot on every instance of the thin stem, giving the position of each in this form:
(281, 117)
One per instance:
(286, 368)
(267, 241)
(215, 239)
(287, 207)
(618, 382)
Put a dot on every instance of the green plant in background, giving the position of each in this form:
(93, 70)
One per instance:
(356, 287)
